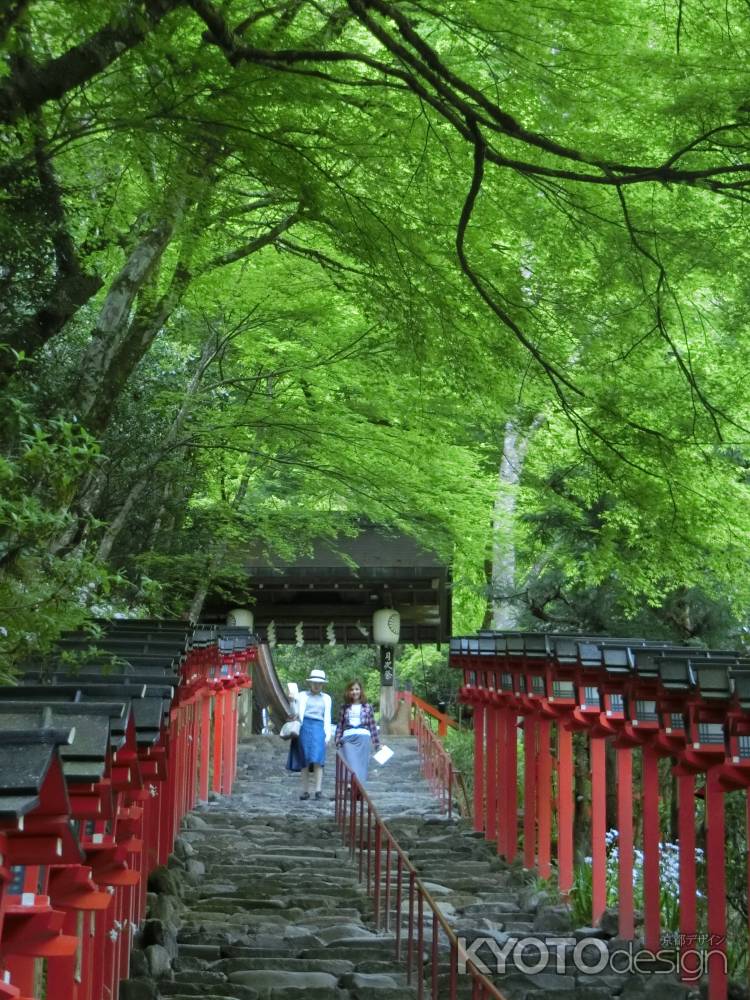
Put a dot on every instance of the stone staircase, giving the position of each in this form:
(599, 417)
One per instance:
(261, 900)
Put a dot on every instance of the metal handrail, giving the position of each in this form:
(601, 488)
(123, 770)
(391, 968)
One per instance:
(437, 766)
(369, 839)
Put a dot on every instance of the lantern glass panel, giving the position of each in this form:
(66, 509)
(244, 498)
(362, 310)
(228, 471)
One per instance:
(591, 695)
(17, 876)
(711, 733)
(645, 711)
(616, 703)
(563, 689)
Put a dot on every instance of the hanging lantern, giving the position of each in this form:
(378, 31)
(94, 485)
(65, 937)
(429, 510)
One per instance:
(386, 625)
(240, 617)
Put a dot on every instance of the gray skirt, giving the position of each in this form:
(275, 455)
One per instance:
(355, 749)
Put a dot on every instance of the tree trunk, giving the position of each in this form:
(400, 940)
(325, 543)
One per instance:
(24, 92)
(505, 606)
(72, 287)
(136, 491)
(114, 366)
(112, 325)
(217, 553)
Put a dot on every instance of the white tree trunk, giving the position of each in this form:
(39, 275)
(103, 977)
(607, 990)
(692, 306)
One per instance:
(505, 605)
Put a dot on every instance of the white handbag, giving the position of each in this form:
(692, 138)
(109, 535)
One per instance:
(290, 730)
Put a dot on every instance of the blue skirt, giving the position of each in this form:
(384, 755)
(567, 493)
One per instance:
(309, 747)
(355, 749)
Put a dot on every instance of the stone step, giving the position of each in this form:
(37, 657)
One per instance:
(272, 908)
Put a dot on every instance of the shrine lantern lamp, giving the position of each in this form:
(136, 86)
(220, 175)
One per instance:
(560, 673)
(738, 721)
(618, 665)
(707, 713)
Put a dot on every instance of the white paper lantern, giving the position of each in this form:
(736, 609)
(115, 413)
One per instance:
(386, 626)
(241, 617)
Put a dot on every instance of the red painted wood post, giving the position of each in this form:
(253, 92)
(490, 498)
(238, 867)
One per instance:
(544, 800)
(188, 773)
(235, 735)
(491, 773)
(626, 924)
(205, 746)
(501, 751)
(511, 749)
(179, 767)
(479, 759)
(651, 837)
(747, 834)
(598, 750)
(565, 808)
(530, 729)
(228, 737)
(689, 971)
(193, 756)
(716, 887)
(165, 799)
(218, 738)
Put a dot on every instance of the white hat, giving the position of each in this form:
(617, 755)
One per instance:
(319, 676)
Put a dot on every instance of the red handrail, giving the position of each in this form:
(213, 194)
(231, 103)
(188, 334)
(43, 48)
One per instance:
(417, 704)
(369, 837)
(445, 780)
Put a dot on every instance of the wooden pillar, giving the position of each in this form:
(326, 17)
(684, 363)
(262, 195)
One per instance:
(530, 730)
(625, 842)
(491, 773)
(479, 758)
(205, 747)
(651, 838)
(716, 887)
(501, 799)
(511, 795)
(690, 971)
(598, 827)
(565, 808)
(544, 799)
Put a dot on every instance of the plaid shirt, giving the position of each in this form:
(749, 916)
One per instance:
(367, 721)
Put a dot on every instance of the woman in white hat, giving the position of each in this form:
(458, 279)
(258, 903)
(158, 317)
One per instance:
(307, 753)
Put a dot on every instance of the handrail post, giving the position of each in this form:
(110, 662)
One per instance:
(378, 873)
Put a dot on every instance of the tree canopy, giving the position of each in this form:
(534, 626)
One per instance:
(267, 266)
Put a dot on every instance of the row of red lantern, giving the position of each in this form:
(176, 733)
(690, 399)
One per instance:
(554, 697)
(74, 867)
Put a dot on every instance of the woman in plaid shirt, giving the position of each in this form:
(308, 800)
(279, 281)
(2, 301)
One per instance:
(356, 733)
